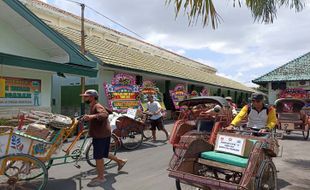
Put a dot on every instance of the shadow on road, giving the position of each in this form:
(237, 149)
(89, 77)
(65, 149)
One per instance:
(282, 183)
(300, 163)
(298, 184)
(145, 145)
(78, 181)
(294, 135)
(111, 180)
(68, 184)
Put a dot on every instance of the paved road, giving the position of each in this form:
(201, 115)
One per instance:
(146, 169)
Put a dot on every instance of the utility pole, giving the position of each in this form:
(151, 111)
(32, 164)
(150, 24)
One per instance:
(83, 52)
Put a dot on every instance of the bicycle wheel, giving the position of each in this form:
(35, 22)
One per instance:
(18, 171)
(183, 186)
(132, 139)
(147, 132)
(267, 176)
(90, 150)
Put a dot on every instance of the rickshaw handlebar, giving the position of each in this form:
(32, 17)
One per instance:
(248, 131)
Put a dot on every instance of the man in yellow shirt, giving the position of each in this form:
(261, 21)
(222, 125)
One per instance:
(260, 116)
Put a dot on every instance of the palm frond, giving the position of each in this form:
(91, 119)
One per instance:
(262, 10)
(196, 9)
(298, 5)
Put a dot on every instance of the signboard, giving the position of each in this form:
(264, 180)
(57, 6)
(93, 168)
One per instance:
(178, 94)
(288, 126)
(193, 94)
(233, 145)
(149, 88)
(20, 92)
(298, 93)
(122, 93)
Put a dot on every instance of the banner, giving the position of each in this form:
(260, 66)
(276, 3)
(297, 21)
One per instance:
(204, 92)
(298, 93)
(20, 92)
(149, 88)
(193, 94)
(122, 93)
(178, 94)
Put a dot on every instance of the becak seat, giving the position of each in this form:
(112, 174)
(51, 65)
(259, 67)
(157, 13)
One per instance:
(205, 125)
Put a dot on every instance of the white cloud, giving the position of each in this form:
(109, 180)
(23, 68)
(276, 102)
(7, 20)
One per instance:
(156, 38)
(180, 51)
(238, 49)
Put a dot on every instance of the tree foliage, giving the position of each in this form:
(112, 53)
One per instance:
(262, 10)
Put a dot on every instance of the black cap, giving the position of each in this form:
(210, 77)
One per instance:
(257, 96)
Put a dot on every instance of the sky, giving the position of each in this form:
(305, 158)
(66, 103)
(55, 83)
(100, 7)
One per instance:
(240, 49)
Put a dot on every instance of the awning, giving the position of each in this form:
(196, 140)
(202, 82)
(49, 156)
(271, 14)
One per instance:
(18, 61)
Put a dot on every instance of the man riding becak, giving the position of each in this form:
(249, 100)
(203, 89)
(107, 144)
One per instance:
(260, 116)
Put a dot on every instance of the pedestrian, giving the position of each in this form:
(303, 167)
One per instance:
(154, 110)
(100, 131)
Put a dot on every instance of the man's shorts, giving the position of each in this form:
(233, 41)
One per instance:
(101, 148)
(157, 123)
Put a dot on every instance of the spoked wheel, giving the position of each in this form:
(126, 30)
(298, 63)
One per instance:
(114, 145)
(21, 172)
(267, 177)
(183, 186)
(132, 139)
(147, 132)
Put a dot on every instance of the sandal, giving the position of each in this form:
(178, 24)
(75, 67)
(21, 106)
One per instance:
(96, 182)
(121, 165)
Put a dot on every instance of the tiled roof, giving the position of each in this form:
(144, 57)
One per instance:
(39, 4)
(295, 70)
(115, 54)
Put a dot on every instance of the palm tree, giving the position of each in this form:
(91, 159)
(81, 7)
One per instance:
(262, 10)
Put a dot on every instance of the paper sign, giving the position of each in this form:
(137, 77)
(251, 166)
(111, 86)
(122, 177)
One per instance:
(229, 144)
(131, 113)
(288, 126)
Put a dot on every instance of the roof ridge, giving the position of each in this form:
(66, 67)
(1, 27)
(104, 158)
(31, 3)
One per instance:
(281, 66)
(120, 33)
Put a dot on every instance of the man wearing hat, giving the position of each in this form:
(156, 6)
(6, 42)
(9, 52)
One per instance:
(232, 105)
(100, 131)
(260, 116)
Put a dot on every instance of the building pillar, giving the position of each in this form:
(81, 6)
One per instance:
(167, 99)
(139, 80)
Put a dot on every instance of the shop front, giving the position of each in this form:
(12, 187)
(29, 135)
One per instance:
(31, 54)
